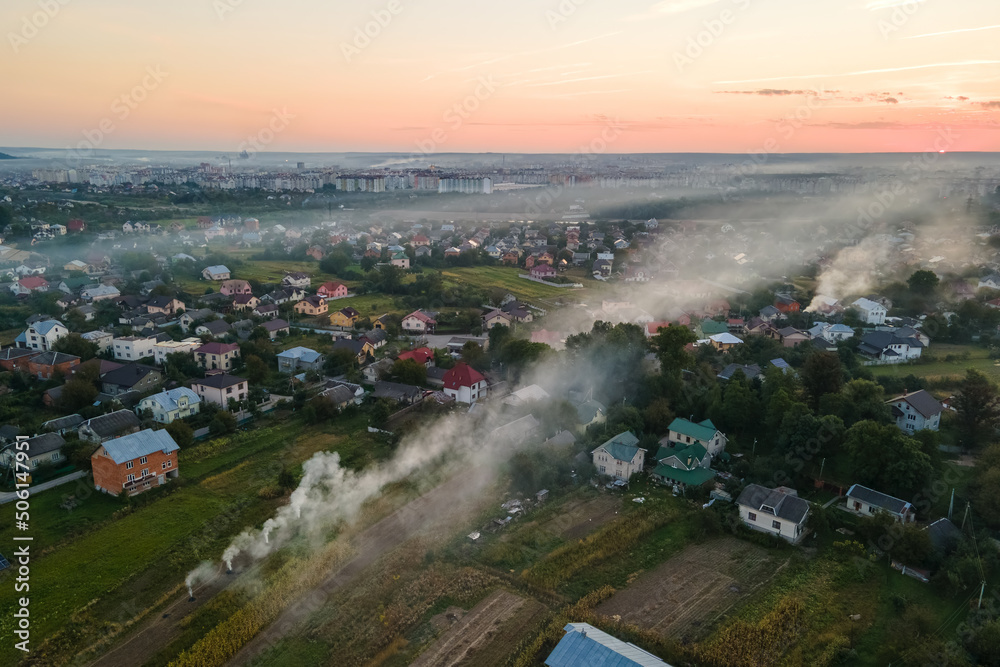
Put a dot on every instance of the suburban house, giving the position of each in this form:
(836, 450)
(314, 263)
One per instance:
(217, 356)
(889, 348)
(786, 304)
(870, 312)
(865, 501)
(214, 328)
(234, 287)
(683, 432)
(916, 411)
(171, 405)
(340, 395)
(542, 272)
(44, 449)
(220, 388)
(345, 317)
(96, 293)
(777, 511)
(494, 318)
(831, 332)
(750, 371)
(332, 290)
(274, 328)
(29, 284)
(376, 338)
(421, 355)
(266, 311)
(41, 335)
(245, 302)
(401, 260)
(165, 348)
(464, 383)
(991, 281)
(620, 457)
(15, 358)
(189, 317)
(583, 645)
(135, 463)
(418, 322)
(299, 359)
(296, 279)
(46, 364)
(401, 393)
(724, 341)
(133, 348)
(312, 305)
(683, 466)
(164, 304)
(111, 425)
(131, 377)
(790, 336)
(359, 348)
(217, 272)
(102, 339)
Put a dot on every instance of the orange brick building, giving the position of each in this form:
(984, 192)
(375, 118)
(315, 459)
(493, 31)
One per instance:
(135, 463)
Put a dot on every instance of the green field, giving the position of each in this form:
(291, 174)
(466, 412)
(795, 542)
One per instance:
(503, 277)
(101, 558)
(934, 366)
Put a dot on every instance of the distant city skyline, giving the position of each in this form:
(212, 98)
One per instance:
(444, 76)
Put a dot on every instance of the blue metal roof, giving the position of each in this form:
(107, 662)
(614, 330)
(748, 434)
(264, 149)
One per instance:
(168, 399)
(132, 446)
(304, 353)
(583, 645)
(45, 326)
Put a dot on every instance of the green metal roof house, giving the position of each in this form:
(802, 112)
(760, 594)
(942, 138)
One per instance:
(620, 457)
(684, 432)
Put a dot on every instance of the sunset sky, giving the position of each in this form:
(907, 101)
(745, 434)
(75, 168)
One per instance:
(514, 76)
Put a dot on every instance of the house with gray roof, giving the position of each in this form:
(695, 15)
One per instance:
(916, 411)
(111, 425)
(168, 406)
(299, 358)
(44, 449)
(867, 502)
(779, 512)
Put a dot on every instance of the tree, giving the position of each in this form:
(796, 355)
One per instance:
(182, 434)
(255, 369)
(339, 361)
(224, 422)
(859, 400)
(76, 345)
(821, 374)
(76, 394)
(409, 371)
(978, 408)
(923, 282)
(669, 343)
(180, 366)
(883, 457)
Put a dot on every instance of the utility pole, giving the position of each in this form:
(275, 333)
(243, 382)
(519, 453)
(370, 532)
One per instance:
(951, 505)
(821, 466)
(982, 590)
(964, 516)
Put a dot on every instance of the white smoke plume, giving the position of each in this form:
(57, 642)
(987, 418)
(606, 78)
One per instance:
(204, 572)
(854, 270)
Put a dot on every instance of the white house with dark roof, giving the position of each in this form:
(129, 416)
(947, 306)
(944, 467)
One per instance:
(916, 411)
(778, 511)
(867, 502)
(620, 457)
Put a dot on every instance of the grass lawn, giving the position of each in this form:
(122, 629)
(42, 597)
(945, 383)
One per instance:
(939, 368)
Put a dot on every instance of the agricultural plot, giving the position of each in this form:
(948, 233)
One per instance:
(684, 595)
(486, 634)
(580, 517)
(505, 278)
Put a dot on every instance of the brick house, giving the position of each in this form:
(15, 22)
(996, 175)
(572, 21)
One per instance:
(43, 366)
(135, 463)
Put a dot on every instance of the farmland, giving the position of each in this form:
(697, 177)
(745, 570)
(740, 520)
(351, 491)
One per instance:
(944, 362)
(505, 278)
(681, 597)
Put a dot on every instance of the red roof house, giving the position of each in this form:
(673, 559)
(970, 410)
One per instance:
(422, 355)
(464, 383)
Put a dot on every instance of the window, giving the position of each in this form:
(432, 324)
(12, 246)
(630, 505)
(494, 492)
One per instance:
(145, 472)
(163, 465)
(603, 470)
(751, 516)
(142, 459)
(857, 506)
(128, 465)
(130, 477)
(776, 525)
(871, 510)
(169, 463)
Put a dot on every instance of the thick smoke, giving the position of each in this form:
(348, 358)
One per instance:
(204, 572)
(854, 270)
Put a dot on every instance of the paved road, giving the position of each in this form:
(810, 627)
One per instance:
(35, 488)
